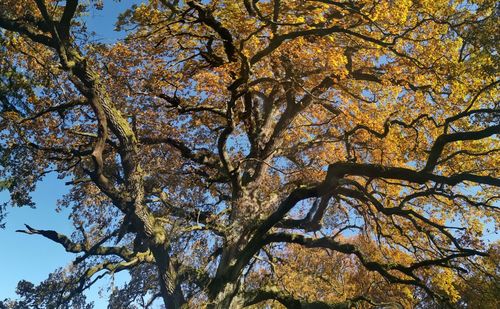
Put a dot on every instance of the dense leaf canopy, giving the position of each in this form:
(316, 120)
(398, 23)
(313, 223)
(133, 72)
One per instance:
(297, 153)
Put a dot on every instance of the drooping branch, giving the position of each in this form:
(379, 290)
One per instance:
(74, 247)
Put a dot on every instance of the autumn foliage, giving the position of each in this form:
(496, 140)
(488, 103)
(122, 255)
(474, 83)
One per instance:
(297, 153)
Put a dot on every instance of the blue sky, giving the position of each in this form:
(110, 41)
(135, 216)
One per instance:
(33, 257)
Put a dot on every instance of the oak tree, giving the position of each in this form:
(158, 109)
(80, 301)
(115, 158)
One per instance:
(297, 153)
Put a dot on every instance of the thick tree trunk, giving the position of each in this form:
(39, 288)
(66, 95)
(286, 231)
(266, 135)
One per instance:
(227, 297)
(169, 286)
(223, 290)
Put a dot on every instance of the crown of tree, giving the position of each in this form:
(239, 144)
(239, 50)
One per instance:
(297, 153)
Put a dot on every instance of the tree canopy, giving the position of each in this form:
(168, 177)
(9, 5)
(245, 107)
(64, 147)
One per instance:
(229, 154)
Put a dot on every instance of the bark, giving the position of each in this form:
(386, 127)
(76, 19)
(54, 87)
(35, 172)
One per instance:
(227, 297)
(169, 284)
(224, 286)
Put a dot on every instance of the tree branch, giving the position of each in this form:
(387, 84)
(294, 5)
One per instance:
(73, 247)
(206, 17)
(441, 141)
(65, 22)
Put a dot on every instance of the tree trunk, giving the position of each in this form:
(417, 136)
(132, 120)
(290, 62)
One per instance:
(227, 297)
(169, 286)
(224, 288)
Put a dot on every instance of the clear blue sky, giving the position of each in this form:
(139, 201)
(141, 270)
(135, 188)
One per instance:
(33, 257)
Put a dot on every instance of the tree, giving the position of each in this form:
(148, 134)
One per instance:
(225, 149)
(481, 288)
